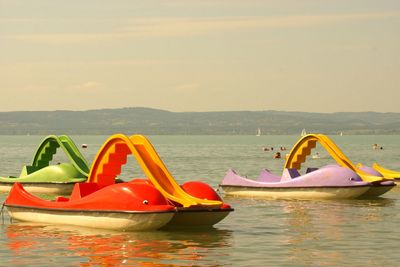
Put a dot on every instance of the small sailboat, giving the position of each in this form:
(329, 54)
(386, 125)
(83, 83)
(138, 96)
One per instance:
(258, 132)
(303, 132)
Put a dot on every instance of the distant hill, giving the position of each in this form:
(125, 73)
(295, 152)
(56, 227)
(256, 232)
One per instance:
(154, 121)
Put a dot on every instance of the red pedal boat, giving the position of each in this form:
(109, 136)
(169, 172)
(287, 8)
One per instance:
(125, 206)
(141, 204)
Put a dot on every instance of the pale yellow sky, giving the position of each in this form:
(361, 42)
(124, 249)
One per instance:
(309, 55)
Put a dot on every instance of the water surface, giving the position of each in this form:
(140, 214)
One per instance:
(257, 233)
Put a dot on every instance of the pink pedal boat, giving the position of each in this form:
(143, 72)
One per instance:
(344, 180)
(328, 182)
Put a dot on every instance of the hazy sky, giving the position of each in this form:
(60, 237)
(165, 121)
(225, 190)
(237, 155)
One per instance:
(205, 55)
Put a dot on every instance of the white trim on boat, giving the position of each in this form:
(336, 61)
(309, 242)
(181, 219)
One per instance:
(104, 220)
(296, 193)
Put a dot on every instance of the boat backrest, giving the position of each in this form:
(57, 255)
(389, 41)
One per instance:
(290, 173)
(61, 199)
(311, 170)
(83, 189)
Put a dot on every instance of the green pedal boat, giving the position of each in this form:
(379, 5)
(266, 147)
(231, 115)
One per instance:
(41, 177)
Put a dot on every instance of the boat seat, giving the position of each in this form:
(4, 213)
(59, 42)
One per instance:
(289, 173)
(293, 172)
(61, 199)
(311, 170)
(83, 189)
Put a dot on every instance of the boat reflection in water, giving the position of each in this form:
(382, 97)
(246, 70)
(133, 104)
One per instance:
(330, 223)
(31, 244)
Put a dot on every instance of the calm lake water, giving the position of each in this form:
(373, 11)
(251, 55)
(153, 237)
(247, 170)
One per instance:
(257, 233)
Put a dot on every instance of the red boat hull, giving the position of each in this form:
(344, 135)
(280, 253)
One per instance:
(122, 206)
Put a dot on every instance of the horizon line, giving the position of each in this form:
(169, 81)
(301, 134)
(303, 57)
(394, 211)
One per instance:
(210, 111)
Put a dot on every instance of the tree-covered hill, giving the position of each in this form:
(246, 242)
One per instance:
(154, 121)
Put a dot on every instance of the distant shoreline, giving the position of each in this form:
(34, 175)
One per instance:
(161, 122)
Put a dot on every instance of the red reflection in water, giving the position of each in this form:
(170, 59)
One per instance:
(101, 248)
